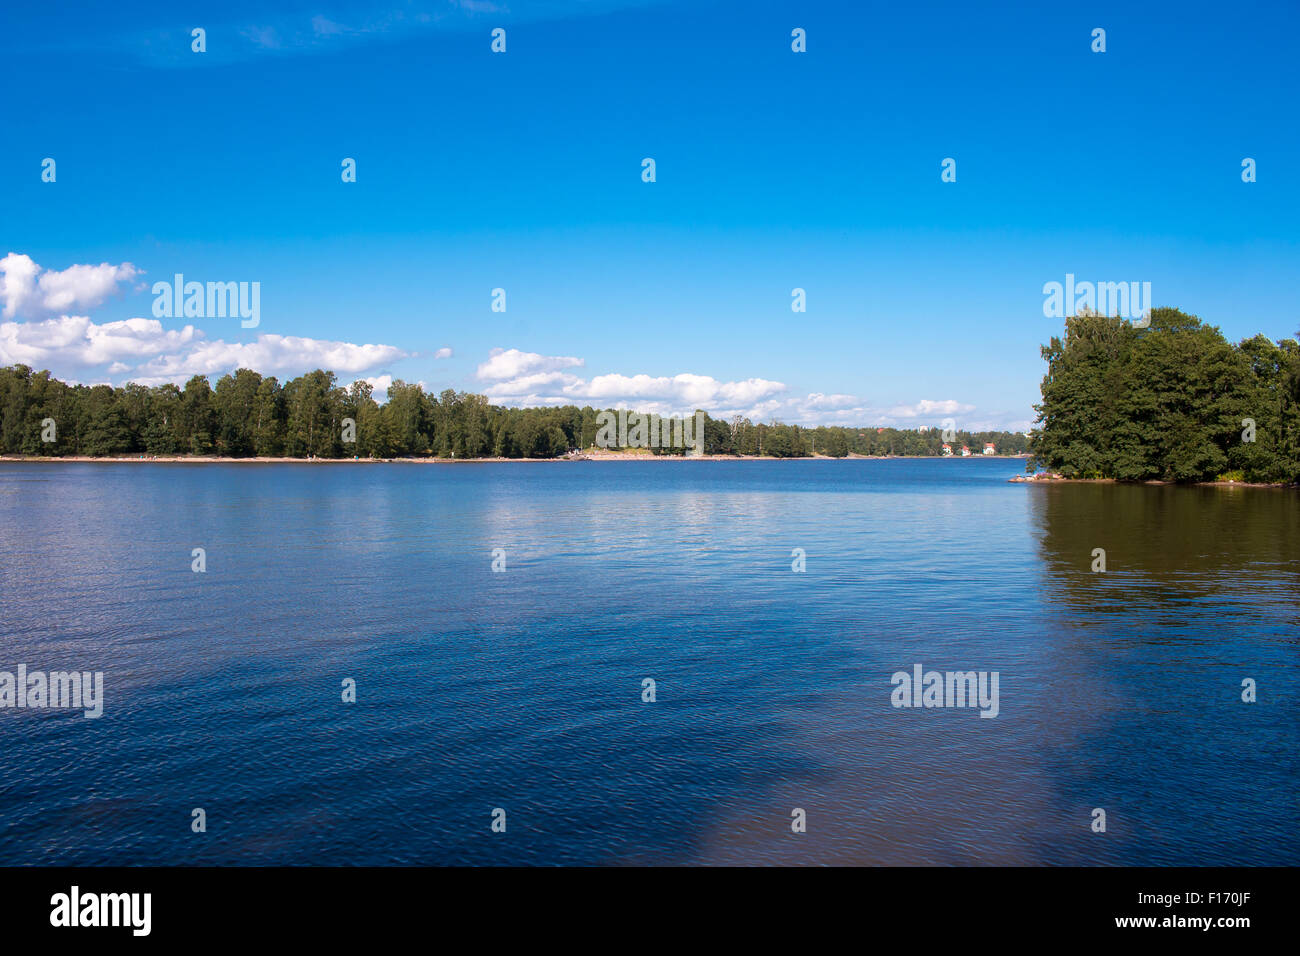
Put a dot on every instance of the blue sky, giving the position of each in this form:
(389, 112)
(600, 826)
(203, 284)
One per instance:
(522, 171)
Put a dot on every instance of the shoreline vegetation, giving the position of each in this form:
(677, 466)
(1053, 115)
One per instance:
(1170, 402)
(1053, 478)
(248, 416)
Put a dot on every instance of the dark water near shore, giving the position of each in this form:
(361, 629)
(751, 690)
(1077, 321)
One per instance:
(522, 690)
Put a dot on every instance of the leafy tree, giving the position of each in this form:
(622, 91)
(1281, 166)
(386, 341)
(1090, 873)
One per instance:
(198, 418)
(1166, 402)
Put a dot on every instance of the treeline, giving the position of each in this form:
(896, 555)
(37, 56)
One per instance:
(1175, 402)
(247, 415)
(743, 437)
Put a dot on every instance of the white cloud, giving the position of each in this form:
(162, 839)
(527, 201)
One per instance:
(379, 385)
(520, 379)
(28, 289)
(686, 391)
(77, 341)
(139, 349)
(827, 402)
(512, 363)
(526, 378)
(443, 353)
(928, 409)
(269, 354)
(17, 283)
(559, 386)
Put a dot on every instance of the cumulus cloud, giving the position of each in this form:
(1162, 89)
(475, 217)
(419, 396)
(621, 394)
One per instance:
(269, 354)
(28, 289)
(139, 349)
(928, 410)
(829, 402)
(17, 283)
(76, 340)
(442, 353)
(527, 378)
(379, 385)
(516, 378)
(513, 364)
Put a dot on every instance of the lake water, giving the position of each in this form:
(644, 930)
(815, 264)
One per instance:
(522, 689)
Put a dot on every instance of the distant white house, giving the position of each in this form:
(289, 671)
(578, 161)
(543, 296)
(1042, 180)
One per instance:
(989, 449)
(965, 451)
(947, 450)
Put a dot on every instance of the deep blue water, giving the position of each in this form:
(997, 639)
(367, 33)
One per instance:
(521, 690)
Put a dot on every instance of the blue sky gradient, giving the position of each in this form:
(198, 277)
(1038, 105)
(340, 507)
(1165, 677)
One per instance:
(775, 170)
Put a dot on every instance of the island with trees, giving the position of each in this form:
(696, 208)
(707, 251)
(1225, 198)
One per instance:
(1171, 401)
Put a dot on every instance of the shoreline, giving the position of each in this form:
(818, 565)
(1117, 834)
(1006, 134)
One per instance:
(1022, 479)
(219, 459)
(1058, 480)
(279, 459)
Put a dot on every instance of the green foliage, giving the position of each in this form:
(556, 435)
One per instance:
(247, 414)
(1168, 402)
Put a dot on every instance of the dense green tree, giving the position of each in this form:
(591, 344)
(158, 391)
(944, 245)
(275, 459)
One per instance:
(234, 401)
(1170, 401)
(412, 418)
(197, 417)
(314, 424)
(267, 427)
(103, 426)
